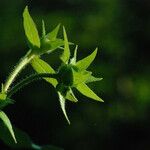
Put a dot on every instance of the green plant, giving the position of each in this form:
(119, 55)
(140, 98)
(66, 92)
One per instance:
(71, 74)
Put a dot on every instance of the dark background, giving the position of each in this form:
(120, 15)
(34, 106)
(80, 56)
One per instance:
(121, 30)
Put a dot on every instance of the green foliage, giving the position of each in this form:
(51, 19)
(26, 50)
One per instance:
(62, 104)
(53, 35)
(85, 90)
(85, 63)
(47, 43)
(66, 54)
(41, 66)
(70, 74)
(7, 123)
(30, 30)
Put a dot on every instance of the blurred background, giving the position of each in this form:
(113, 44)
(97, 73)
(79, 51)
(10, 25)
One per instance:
(121, 31)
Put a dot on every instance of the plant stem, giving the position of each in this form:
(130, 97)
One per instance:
(18, 68)
(28, 80)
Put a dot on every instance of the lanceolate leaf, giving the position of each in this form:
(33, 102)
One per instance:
(53, 34)
(30, 30)
(80, 77)
(93, 79)
(70, 96)
(66, 54)
(41, 66)
(85, 90)
(56, 44)
(7, 123)
(73, 60)
(62, 104)
(85, 62)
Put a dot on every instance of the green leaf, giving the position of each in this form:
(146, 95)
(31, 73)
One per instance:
(55, 44)
(85, 62)
(48, 46)
(23, 140)
(85, 90)
(70, 96)
(53, 34)
(43, 29)
(80, 77)
(66, 54)
(93, 79)
(73, 60)
(41, 66)
(7, 123)
(62, 104)
(30, 30)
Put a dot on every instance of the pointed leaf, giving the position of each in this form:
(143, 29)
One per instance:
(62, 104)
(55, 44)
(73, 60)
(70, 96)
(66, 54)
(53, 34)
(30, 30)
(48, 46)
(85, 62)
(43, 29)
(7, 123)
(80, 77)
(41, 66)
(85, 90)
(93, 79)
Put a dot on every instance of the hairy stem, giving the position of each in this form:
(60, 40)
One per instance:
(18, 68)
(28, 80)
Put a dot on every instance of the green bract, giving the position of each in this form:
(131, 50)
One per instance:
(71, 74)
(47, 43)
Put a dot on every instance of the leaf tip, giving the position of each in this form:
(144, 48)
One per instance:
(25, 10)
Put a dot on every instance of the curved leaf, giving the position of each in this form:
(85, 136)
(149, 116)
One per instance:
(73, 60)
(85, 90)
(31, 31)
(70, 96)
(7, 123)
(41, 66)
(62, 104)
(85, 62)
(53, 34)
(93, 79)
(66, 54)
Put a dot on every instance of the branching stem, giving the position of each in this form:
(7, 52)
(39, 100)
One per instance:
(28, 80)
